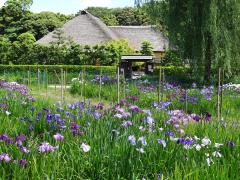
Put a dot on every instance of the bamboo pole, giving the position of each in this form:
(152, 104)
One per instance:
(84, 93)
(38, 79)
(82, 84)
(186, 100)
(221, 99)
(28, 75)
(64, 81)
(66, 75)
(159, 83)
(124, 85)
(62, 84)
(162, 87)
(100, 85)
(118, 85)
(218, 94)
(46, 76)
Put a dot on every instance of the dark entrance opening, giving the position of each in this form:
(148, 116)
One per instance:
(126, 64)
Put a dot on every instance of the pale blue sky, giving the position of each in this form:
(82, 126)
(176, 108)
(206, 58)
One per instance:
(73, 6)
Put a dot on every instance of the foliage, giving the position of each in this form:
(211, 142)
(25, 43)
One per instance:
(206, 33)
(42, 23)
(62, 51)
(172, 58)
(146, 48)
(93, 141)
(52, 68)
(121, 16)
(15, 19)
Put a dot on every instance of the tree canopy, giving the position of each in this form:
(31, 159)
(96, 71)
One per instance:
(205, 32)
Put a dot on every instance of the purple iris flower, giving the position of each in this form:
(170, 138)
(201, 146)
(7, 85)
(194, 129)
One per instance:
(170, 133)
(196, 117)
(97, 115)
(25, 150)
(58, 137)
(134, 108)
(5, 157)
(100, 106)
(132, 140)
(4, 137)
(162, 105)
(46, 147)
(208, 117)
(23, 162)
(127, 123)
(231, 143)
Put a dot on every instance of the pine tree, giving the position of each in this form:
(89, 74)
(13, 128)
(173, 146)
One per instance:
(146, 48)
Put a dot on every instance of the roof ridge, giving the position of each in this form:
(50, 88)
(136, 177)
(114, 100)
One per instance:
(107, 31)
(146, 26)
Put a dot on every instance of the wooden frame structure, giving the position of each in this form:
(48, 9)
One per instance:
(126, 64)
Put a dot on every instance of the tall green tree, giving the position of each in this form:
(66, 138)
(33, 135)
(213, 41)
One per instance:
(206, 32)
(10, 14)
(146, 48)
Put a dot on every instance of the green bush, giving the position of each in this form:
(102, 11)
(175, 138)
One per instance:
(52, 68)
(176, 73)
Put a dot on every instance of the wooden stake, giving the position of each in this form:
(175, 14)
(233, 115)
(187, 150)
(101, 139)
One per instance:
(118, 85)
(218, 94)
(186, 100)
(84, 94)
(28, 82)
(38, 79)
(46, 76)
(163, 80)
(62, 84)
(159, 83)
(221, 93)
(124, 85)
(100, 85)
(82, 84)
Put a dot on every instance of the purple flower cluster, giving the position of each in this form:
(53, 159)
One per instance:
(208, 92)
(162, 105)
(75, 128)
(45, 147)
(104, 79)
(15, 87)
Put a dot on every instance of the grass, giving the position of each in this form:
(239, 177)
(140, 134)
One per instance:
(111, 155)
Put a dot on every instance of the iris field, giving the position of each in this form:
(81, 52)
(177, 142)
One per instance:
(179, 137)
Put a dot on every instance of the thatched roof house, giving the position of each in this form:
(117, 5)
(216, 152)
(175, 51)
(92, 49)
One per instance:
(87, 29)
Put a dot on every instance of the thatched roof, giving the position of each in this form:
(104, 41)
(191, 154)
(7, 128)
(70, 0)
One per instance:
(87, 29)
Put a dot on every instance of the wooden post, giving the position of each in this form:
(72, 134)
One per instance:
(64, 81)
(218, 94)
(28, 82)
(82, 84)
(159, 83)
(100, 85)
(66, 78)
(62, 84)
(186, 100)
(30, 79)
(162, 88)
(124, 85)
(46, 76)
(84, 93)
(118, 85)
(38, 79)
(221, 99)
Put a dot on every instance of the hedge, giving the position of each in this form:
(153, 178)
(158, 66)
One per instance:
(57, 68)
(171, 72)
